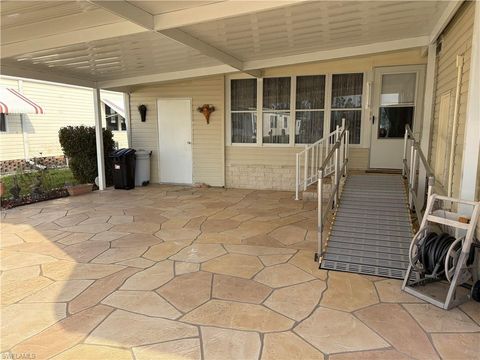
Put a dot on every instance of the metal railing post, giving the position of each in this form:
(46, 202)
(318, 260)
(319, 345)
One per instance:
(347, 142)
(413, 172)
(312, 163)
(297, 174)
(336, 175)
(319, 215)
(405, 152)
(305, 170)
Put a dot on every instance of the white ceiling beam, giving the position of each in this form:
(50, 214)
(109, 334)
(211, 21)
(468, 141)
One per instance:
(45, 74)
(339, 53)
(70, 38)
(140, 17)
(216, 11)
(127, 11)
(206, 49)
(168, 76)
(444, 19)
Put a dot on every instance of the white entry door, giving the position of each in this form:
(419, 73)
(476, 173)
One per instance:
(175, 140)
(397, 101)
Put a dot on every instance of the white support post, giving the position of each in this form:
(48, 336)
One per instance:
(427, 124)
(471, 161)
(99, 139)
(128, 123)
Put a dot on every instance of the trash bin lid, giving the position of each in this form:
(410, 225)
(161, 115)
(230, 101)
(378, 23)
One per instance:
(143, 154)
(122, 152)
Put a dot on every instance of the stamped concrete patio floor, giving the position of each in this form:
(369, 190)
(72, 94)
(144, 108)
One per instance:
(169, 272)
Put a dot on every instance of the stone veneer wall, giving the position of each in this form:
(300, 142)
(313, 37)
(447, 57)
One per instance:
(271, 177)
(11, 166)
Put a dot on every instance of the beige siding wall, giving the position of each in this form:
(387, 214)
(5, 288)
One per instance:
(63, 105)
(456, 40)
(253, 166)
(208, 139)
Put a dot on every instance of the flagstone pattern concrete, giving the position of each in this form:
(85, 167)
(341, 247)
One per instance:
(172, 272)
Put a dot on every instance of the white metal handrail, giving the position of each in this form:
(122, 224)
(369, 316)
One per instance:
(309, 160)
(413, 160)
(339, 155)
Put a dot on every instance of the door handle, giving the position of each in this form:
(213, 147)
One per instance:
(373, 119)
(189, 142)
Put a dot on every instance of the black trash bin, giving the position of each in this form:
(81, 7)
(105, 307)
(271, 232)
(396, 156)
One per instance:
(123, 168)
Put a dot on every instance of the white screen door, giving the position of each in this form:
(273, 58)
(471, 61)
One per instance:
(175, 138)
(397, 99)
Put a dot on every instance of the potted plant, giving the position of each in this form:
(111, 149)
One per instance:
(78, 189)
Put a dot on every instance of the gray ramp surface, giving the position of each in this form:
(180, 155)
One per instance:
(372, 229)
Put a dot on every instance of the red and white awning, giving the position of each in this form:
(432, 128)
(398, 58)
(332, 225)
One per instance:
(115, 102)
(13, 102)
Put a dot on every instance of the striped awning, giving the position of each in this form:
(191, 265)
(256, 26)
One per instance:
(114, 102)
(13, 102)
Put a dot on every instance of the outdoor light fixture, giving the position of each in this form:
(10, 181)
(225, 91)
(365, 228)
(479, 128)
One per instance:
(142, 109)
(206, 110)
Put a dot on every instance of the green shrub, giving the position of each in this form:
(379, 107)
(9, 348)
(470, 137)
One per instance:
(79, 145)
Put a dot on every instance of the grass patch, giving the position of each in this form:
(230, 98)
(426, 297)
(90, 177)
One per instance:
(49, 179)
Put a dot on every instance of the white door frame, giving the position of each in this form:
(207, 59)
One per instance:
(419, 70)
(158, 134)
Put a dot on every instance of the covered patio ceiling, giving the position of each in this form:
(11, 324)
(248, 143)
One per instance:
(117, 44)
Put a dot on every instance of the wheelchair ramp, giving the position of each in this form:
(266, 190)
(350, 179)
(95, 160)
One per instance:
(372, 231)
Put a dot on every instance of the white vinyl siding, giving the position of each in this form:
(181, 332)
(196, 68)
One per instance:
(456, 40)
(208, 139)
(63, 105)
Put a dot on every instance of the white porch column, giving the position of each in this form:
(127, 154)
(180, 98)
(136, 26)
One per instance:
(126, 106)
(470, 163)
(97, 104)
(428, 104)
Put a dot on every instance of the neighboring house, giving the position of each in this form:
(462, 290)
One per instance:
(26, 136)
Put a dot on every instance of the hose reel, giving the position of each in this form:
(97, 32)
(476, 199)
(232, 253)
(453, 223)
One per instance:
(436, 255)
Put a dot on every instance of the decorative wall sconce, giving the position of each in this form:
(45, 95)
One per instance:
(142, 109)
(206, 110)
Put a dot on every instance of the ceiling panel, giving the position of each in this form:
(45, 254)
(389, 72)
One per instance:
(319, 25)
(125, 56)
(18, 13)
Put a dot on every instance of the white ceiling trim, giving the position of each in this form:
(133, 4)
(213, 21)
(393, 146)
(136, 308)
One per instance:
(70, 38)
(161, 77)
(215, 11)
(339, 53)
(145, 19)
(445, 18)
(44, 75)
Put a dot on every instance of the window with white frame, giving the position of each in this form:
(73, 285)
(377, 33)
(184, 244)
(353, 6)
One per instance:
(115, 121)
(243, 110)
(346, 103)
(276, 110)
(3, 122)
(309, 108)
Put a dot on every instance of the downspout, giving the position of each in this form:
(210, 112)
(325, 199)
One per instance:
(455, 124)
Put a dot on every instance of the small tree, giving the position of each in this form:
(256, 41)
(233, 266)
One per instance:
(79, 145)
